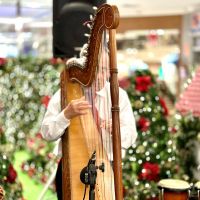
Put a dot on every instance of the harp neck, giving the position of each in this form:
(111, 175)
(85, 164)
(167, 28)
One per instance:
(107, 17)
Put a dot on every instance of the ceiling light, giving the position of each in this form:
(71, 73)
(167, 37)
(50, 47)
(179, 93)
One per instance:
(6, 20)
(47, 24)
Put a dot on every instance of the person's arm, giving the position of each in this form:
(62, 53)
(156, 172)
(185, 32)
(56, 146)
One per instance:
(127, 121)
(56, 121)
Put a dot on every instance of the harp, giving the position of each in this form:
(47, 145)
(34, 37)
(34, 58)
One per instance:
(82, 141)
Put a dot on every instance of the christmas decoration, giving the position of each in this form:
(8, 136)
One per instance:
(10, 187)
(189, 101)
(42, 161)
(26, 86)
(2, 61)
(188, 118)
(154, 155)
(188, 144)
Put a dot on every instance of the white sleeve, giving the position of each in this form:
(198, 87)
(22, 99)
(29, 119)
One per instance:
(54, 122)
(127, 121)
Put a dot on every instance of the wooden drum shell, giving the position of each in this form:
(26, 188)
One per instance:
(197, 188)
(172, 189)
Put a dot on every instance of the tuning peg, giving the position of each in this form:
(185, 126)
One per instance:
(91, 17)
(89, 26)
(87, 35)
(83, 52)
(94, 8)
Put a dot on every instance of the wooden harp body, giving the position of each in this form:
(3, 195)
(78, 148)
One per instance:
(82, 132)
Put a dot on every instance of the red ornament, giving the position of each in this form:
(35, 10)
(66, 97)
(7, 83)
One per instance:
(3, 61)
(173, 130)
(56, 61)
(23, 166)
(12, 174)
(153, 38)
(53, 61)
(150, 171)
(124, 191)
(50, 155)
(43, 179)
(30, 143)
(163, 104)
(41, 146)
(143, 83)
(31, 172)
(38, 135)
(45, 101)
(143, 124)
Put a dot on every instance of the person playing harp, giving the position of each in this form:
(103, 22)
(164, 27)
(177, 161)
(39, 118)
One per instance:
(88, 106)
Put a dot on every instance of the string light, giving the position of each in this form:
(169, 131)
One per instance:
(132, 159)
(130, 151)
(155, 144)
(148, 158)
(168, 172)
(142, 98)
(157, 98)
(136, 182)
(170, 159)
(147, 185)
(145, 143)
(149, 109)
(147, 153)
(137, 150)
(163, 128)
(140, 162)
(157, 157)
(173, 158)
(153, 119)
(144, 133)
(169, 142)
(140, 110)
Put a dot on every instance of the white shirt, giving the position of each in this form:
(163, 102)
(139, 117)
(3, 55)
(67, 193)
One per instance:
(55, 123)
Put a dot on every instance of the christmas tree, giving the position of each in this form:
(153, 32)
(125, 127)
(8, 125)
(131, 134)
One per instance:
(153, 156)
(10, 187)
(26, 86)
(188, 143)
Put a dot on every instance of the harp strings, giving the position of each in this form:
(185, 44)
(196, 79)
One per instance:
(99, 97)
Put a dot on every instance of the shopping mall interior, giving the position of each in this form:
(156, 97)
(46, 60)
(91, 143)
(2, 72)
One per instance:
(157, 55)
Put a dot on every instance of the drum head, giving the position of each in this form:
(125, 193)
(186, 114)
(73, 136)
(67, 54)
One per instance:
(197, 185)
(173, 184)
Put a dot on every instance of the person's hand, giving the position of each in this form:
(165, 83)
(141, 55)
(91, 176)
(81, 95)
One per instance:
(76, 107)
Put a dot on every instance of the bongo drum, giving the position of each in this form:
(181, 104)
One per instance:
(197, 188)
(174, 189)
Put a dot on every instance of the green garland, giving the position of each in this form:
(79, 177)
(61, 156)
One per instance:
(188, 141)
(26, 85)
(23, 84)
(9, 183)
(154, 155)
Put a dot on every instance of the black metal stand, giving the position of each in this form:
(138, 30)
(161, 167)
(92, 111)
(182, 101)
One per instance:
(92, 170)
(88, 175)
